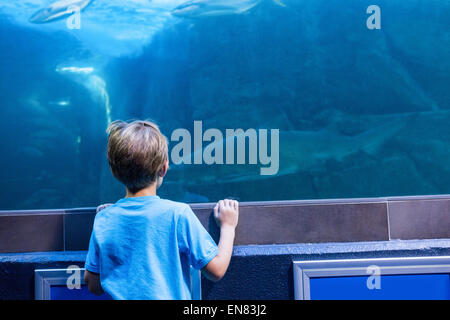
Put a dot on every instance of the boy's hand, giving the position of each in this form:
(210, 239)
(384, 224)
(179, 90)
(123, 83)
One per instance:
(226, 213)
(103, 206)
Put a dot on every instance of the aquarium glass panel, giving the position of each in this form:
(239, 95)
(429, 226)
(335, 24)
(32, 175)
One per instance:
(259, 99)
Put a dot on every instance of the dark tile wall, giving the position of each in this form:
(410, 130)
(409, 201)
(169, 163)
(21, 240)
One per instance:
(279, 222)
(37, 232)
(419, 219)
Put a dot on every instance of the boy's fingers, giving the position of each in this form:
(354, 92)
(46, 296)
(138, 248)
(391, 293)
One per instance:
(216, 214)
(103, 206)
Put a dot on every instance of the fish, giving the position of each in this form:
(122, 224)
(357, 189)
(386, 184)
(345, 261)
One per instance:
(58, 10)
(300, 151)
(209, 8)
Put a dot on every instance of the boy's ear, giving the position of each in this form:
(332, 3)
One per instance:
(164, 169)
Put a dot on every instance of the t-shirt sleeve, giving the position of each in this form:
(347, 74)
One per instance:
(92, 258)
(194, 240)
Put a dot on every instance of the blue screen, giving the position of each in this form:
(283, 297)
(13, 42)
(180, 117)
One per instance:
(64, 293)
(392, 287)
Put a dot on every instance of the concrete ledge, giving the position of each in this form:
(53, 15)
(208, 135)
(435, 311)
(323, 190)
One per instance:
(255, 272)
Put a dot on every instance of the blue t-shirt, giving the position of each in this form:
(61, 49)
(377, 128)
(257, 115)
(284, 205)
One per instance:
(143, 247)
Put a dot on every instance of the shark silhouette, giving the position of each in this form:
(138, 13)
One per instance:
(208, 8)
(300, 151)
(58, 10)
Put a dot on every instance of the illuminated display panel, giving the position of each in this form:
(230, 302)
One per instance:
(371, 279)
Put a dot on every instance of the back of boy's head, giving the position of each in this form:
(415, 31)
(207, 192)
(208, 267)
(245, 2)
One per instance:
(137, 152)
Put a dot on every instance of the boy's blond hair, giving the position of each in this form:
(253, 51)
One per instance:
(137, 152)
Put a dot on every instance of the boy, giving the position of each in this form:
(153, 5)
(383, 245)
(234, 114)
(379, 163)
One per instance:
(142, 246)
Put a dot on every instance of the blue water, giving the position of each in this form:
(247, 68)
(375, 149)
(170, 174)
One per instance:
(361, 112)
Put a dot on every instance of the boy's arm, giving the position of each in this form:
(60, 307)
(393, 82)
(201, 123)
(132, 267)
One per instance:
(93, 282)
(227, 214)
(92, 279)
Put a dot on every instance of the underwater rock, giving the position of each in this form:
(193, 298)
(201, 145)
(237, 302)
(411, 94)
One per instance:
(365, 176)
(328, 65)
(293, 186)
(190, 197)
(44, 199)
(30, 152)
(429, 150)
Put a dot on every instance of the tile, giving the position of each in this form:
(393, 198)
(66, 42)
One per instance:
(302, 223)
(78, 228)
(28, 233)
(346, 220)
(419, 219)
